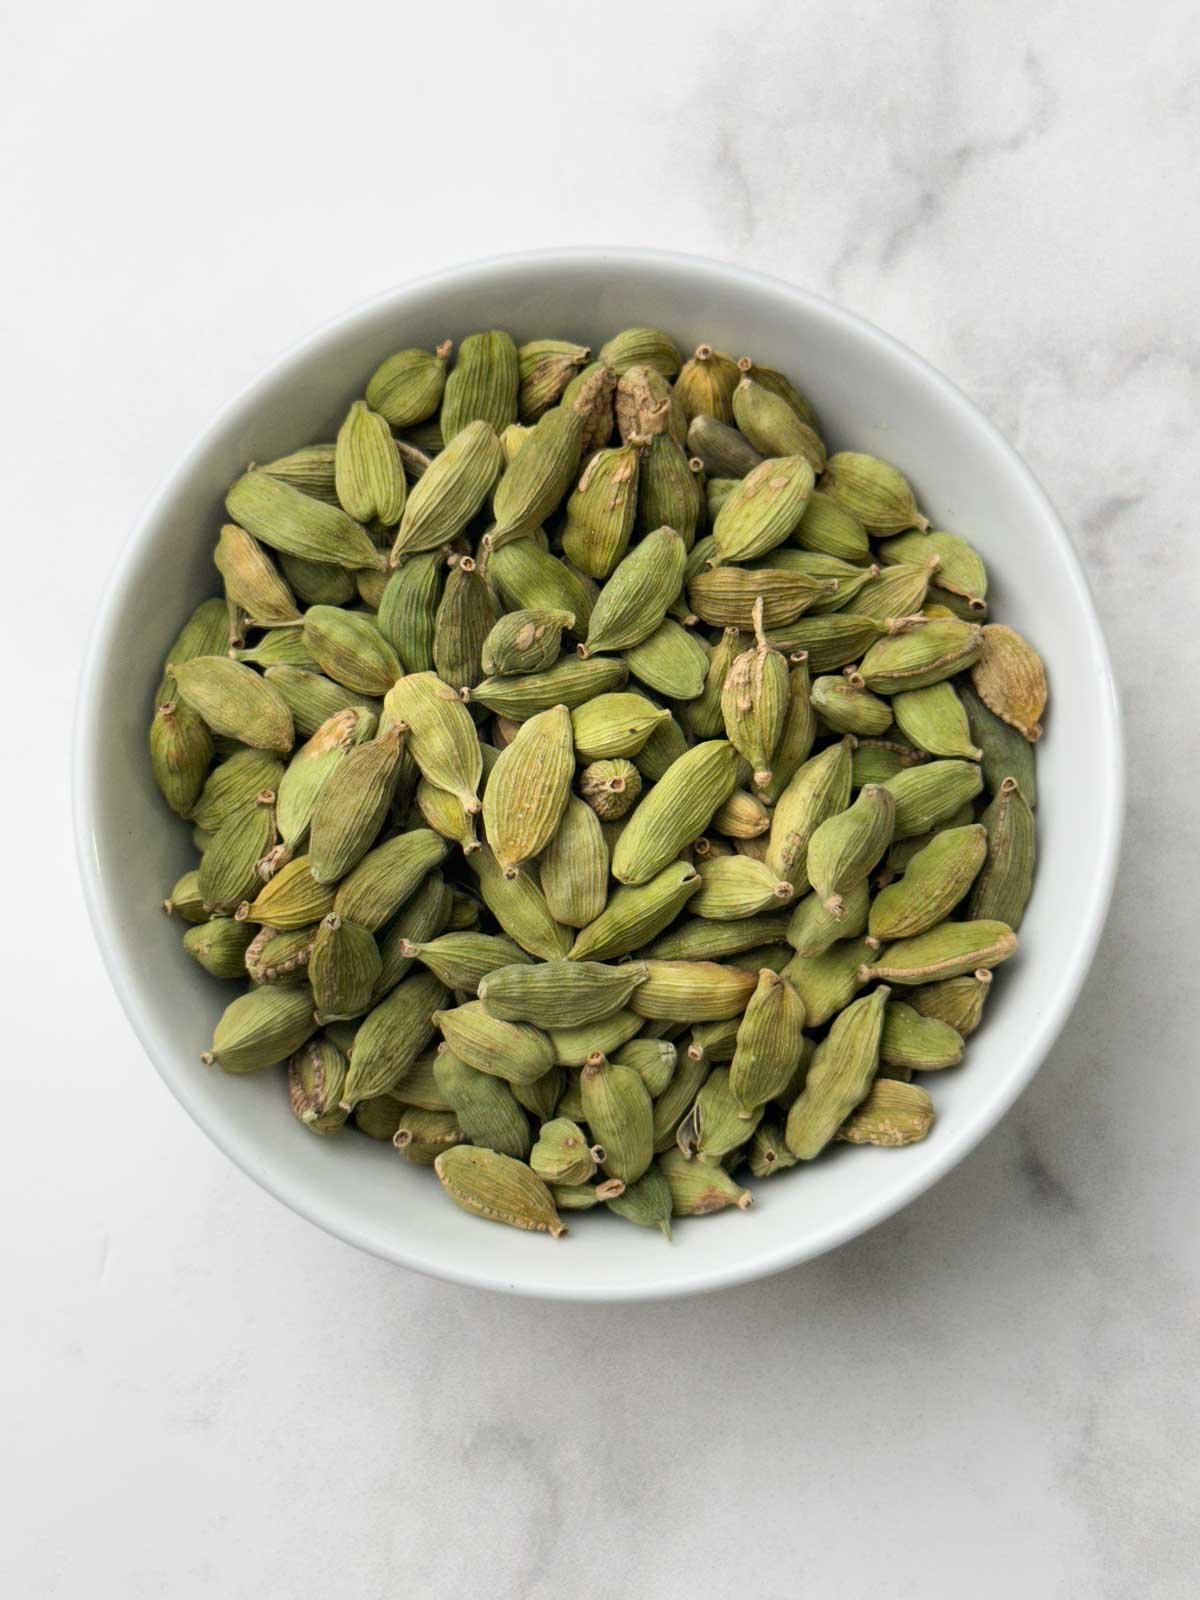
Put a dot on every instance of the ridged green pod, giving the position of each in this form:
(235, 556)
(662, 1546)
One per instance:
(181, 748)
(620, 1115)
(235, 701)
(519, 906)
(958, 1001)
(391, 1037)
(485, 1106)
(574, 867)
(692, 991)
(450, 492)
(923, 1044)
(736, 886)
(528, 789)
(828, 983)
(522, 642)
(773, 427)
(441, 739)
(928, 795)
(1002, 889)
(463, 960)
(839, 1076)
(464, 619)
(819, 789)
(754, 703)
(635, 599)
(877, 493)
(408, 608)
(528, 577)
(352, 805)
(768, 1043)
(1006, 753)
(548, 992)
(718, 1124)
(350, 650)
(947, 951)
(920, 655)
(407, 387)
(635, 913)
(483, 384)
(260, 1028)
(277, 514)
(847, 708)
(671, 660)
(219, 946)
(510, 1050)
(845, 849)
(676, 810)
(569, 683)
(343, 969)
(934, 882)
(385, 878)
(813, 929)
(499, 1188)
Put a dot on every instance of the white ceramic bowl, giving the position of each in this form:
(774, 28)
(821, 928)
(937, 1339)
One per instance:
(873, 395)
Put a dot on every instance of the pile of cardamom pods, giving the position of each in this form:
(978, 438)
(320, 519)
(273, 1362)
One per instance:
(595, 820)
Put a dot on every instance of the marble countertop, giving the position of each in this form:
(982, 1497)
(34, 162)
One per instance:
(995, 1392)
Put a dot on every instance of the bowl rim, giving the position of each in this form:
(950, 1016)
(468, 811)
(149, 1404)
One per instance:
(85, 776)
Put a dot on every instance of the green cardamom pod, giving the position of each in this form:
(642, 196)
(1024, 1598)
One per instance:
(368, 472)
(642, 347)
(921, 1043)
(486, 1109)
(1002, 889)
(181, 748)
(489, 1184)
(769, 1042)
(519, 906)
(261, 1028)
(229, 867)
(930, 794)
(1006, 753)
(956, 1001)
(343, 968)
(441, 736)
(528, 789)
(845, 849)
(692, 991)
(772, 426)
(676, 810)
(407, 388)
(724, 453)
(839, 1076)
(947, 951)
(386, 877)
(292, 899)
(451, 491)
(813, 929)
(568, 683)
(276, 514)
(672, 661)
(920, 655)
(350, 650)
(828, 983)
(464, 621)
(219, 946)
(892, 1114)
(1010, 678)
(706, 383)
(634, 601)
(935, 719)
(510, 1050)
(391, 1037)
(235, 701)
(620, 1115)
(819, 789)
(877, 493)
(352, 804)
(483, 386)
(848, 708)
(316, 1073)
(934, 882)
(546, 366)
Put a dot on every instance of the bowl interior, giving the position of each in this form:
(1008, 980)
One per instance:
(872, 395)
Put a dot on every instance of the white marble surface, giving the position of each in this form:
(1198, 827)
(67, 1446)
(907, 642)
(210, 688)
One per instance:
(993, 1394)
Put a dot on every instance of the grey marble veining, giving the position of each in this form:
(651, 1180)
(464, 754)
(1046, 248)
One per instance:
(994, 1393)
